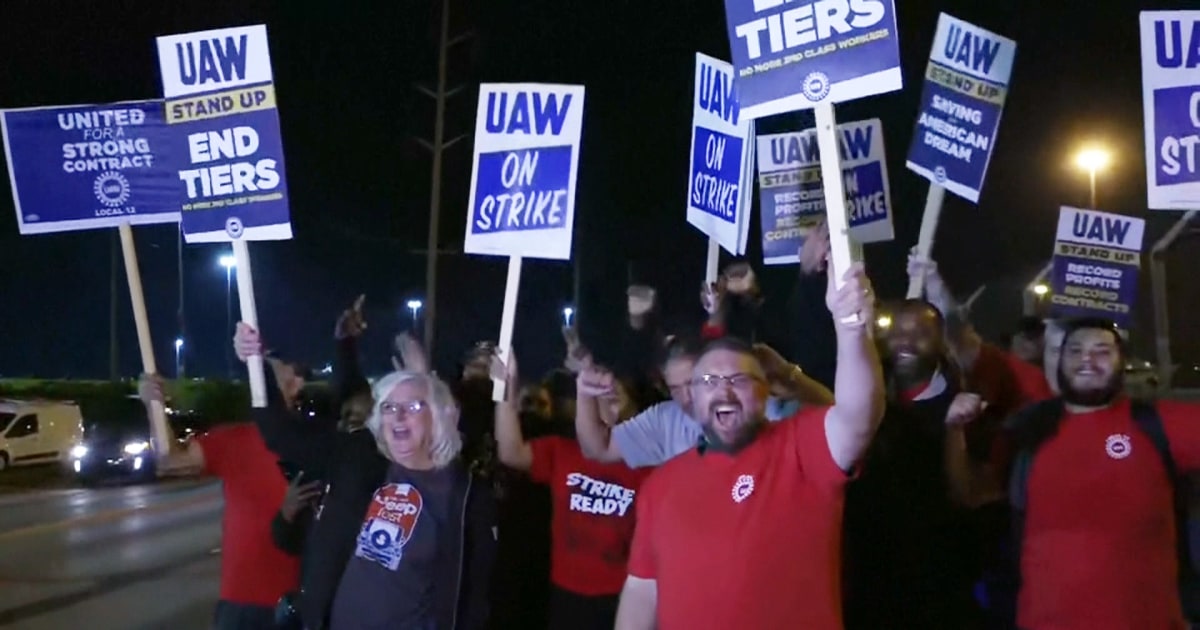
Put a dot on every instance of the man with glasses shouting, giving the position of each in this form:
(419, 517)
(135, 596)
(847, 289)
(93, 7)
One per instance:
(744, 531)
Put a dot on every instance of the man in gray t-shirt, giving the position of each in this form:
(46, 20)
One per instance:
(665, 430)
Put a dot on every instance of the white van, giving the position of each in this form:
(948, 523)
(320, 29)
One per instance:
(38, 431)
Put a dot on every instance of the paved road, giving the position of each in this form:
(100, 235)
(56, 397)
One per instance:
(121, 558)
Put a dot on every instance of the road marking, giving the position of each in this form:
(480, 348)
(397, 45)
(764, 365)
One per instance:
(105, 516)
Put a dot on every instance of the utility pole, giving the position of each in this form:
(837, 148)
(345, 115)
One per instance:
(437, 146)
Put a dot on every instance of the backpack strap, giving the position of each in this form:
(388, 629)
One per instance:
(1029, 428)
(1149, 422)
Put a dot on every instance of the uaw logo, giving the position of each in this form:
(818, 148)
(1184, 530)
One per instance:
(390, 523)
(742, 488)
(112, 189)
(1118, 446)
(234, 228)
(939, 174)
(816, 86)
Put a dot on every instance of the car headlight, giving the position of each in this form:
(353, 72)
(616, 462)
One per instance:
(79, 451)
(136, 448)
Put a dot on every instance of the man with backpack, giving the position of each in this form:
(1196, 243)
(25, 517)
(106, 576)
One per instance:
(1096, 507)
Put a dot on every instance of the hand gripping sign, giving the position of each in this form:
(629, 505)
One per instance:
(720, 172)
(85, 167)
(220, 97)
(966, 82)
(522, 203)
(1171, 102)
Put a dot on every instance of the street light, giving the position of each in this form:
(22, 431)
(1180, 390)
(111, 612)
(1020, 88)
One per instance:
(178, 352)
(228, 262)
(1092, 160)
(415, 307)
(1041, 289)
(568, 313)
(883, 321)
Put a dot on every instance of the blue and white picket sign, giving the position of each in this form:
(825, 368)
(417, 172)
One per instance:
(791, 55)
(792, 195)
(1096, 261)
(720, 168)
(1171, 102)
(83, 167)
(221, 105)
(522, 200)
(966, 82)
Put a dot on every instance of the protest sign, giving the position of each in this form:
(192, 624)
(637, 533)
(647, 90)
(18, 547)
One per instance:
(791, 57)
(221, 103)
(522, 204)
(792, 197)
(522, 200)
(966, 82)
(85, 167)
(1171, 104)
(1096, 260)
(721, 161)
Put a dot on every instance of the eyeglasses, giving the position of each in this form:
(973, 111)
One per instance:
(389, 408)
(714, 382)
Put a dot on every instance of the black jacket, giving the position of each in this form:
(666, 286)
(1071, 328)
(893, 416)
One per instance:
(353, 469)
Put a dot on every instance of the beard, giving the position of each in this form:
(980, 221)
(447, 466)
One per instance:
(745, 435)
(1098, 397)
(914, 370)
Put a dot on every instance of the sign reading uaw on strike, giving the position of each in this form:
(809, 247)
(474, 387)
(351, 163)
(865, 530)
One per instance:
(526, 159)
(1171, 99)
(221, 104)
(1096, 260)
(966, 83)
(90, 166)
(792, 197)
(720, 172)
(790, 55)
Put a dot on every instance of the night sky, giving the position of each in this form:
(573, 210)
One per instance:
(360, 182)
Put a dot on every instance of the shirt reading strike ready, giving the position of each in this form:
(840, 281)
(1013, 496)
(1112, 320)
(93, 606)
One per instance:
(666, 430)
(751, 540)
(253, 570)
(389, 580)
(1099, 540)
(592, 526)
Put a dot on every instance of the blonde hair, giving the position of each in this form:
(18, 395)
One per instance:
(446, 442)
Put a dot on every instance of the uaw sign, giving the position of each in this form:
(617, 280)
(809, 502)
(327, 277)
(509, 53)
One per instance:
(221, 103)
(527, 139)
(1096, 261)
(793, 54)
(1171, 102)
(792, 193)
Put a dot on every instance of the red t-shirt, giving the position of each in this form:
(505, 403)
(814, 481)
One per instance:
(751, 540)
(1099, 542)
(1008, 384)
(592, 526)
(253, 570)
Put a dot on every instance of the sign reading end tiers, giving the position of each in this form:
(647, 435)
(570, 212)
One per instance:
(220, 97)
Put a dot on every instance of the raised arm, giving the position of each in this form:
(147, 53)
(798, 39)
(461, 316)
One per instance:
(511, 447)
(189, 461)
(858, 383)
(308, 445)
(789, 381)
(348, 378)
(595, 437)
(961, 337)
